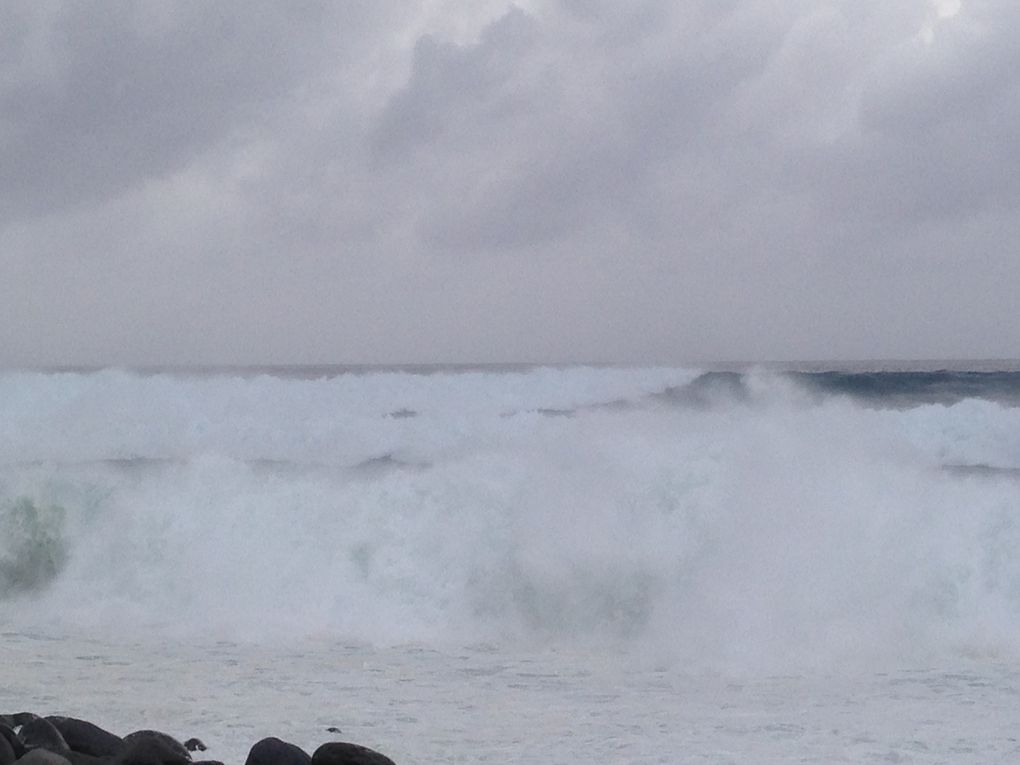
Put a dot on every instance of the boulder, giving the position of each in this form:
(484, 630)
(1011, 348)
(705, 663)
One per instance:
(40, 733)
(43, 757)
(13, 741)
(342, 753)
(151, 747)
(87, 738)
(273, 751)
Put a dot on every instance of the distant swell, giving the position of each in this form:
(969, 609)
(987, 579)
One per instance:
(900, 388)
(886, 388)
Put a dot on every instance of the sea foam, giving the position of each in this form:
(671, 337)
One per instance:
(759, 525)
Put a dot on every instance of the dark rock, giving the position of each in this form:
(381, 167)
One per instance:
(273, 751)
(80, 758)
(42, 734)
(6, 752)
(195, 745)
(342, 753)
(151, 747)
(43, 757)
(207, 762)
(87, 738)
(17, 745)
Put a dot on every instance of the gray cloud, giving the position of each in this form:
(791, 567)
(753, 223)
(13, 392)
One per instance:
(111, 95)
(554, 180)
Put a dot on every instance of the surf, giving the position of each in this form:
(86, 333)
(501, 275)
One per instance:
(714, 520)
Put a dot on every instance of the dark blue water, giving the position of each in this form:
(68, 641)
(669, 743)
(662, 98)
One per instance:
(892, 387)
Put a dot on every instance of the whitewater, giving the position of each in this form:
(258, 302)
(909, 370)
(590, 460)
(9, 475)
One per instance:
(509, 564)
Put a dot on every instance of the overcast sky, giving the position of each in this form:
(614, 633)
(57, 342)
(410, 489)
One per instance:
(385, 181)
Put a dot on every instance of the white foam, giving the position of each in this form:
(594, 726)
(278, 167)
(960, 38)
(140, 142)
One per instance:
(779, 530)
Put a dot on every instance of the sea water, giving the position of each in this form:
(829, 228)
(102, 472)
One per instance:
(506, 565)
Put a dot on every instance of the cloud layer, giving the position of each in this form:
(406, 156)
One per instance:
(549, 180)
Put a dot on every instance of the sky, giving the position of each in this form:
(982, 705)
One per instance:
(385, 181)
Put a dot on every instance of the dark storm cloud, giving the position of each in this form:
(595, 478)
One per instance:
(551, 179)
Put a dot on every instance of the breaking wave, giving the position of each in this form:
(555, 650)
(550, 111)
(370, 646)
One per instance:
(32, 545)
(715, 518)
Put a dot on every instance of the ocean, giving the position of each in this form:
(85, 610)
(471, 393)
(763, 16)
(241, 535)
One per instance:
(565, 564)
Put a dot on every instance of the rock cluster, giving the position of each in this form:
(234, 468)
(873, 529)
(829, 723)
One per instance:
(28, 739)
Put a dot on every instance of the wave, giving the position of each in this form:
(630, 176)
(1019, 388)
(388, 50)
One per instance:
(33, 548)
(888, 389)
(733, 519)
(914, 388)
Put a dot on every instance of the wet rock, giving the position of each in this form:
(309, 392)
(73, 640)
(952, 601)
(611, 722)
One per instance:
(40, 733)
(6, 752)
(343, 753)
(151, 747)
(43, 757)
(273, 751)
(87, 738)
(80, 758)
(11, 738)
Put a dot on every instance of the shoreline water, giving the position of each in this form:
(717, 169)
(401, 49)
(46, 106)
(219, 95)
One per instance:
(419, 705)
